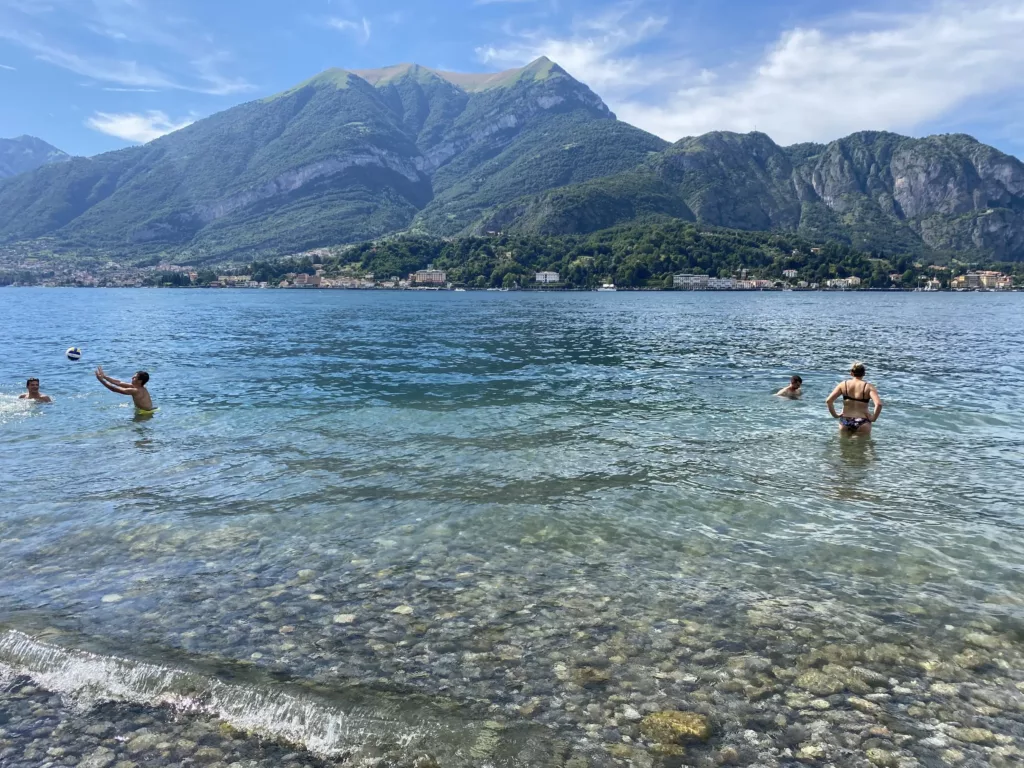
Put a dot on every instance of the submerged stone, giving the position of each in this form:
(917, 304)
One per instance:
(982, 640)
(670, 750)
(810, 752)
(670, 727)
(883, 758)
(973, 735)
(101, 758)
(621, 751)
(589, 677)
(819, 683)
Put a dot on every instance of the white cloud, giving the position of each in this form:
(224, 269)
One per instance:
(598, 51)
(360, 28)
(126, 73)
(9, 69)
(182, 48)
(893, 71)
(137, 127)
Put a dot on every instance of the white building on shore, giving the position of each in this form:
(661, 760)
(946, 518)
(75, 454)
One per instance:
(429, 276)
(547, 277)
(689, 282)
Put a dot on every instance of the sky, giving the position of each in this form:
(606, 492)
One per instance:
(90, 76)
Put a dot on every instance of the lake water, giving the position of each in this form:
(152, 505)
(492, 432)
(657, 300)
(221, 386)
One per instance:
(500, 529)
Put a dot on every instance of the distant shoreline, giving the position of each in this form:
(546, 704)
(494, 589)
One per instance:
(468, 289)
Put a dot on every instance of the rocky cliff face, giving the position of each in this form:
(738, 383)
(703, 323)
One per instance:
(875, 190)
(952, 191)
(26, 153)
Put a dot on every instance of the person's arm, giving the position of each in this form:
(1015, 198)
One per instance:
(46, 399)
(877, 400)
(101, 374)
(830, 401)
(121, 390)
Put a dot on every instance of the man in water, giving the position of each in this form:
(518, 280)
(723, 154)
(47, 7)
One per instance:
(137, 388)
(791, 392)
(34, 393)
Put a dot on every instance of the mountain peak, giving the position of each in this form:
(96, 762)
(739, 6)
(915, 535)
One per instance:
(471, 82)
(25, 153)
(384, 75)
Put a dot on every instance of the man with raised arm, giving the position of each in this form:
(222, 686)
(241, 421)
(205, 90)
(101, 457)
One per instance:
(136, 388)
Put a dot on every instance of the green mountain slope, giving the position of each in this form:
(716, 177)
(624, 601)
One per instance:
(254, 158)
(352, 156)
(874, 190)
(566, 149)
(339, 158)
(26, 153)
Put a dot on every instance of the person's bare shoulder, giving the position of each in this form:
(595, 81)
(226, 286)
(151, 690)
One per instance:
(23, 397)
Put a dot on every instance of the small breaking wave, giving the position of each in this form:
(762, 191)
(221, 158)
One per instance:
(329, 724)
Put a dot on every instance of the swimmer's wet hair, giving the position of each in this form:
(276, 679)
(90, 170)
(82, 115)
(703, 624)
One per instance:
(143, 377)
(796, 380)
(29, 382)
(857, 369)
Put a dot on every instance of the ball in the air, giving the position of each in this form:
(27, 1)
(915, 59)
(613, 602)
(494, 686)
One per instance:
(74, 353)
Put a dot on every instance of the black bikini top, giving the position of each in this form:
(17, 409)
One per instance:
(867, 399)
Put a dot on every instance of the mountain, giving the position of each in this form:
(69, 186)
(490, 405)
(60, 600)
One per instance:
(351, 156)
(26, 153)
(342, 157)
(874, 190)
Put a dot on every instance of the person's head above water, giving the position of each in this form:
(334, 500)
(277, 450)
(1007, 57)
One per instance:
(795, 382)
(857, 369)
(140, 379)
(32, 385)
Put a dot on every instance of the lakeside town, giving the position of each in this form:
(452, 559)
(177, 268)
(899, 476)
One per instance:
(802, 268)
(115, 275)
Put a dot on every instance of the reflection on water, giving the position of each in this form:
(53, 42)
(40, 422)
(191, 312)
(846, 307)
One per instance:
(565, 509)
(854, 458)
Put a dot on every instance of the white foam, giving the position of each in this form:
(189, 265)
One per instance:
(12, 406)
(318, 726)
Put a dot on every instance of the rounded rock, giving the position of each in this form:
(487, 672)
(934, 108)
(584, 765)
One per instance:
(671, 727)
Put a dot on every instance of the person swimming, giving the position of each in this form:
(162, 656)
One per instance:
(856, 393)
(793, 391)
(33, 392)
(136, 388)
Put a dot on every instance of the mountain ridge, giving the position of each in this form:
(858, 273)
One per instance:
(874, 189)
(25, 153)
(356, 155)
(470, 82)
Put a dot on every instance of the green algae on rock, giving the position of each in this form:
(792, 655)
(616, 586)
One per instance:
(670, 727)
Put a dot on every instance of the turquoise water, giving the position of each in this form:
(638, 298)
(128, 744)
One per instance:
(487, 493)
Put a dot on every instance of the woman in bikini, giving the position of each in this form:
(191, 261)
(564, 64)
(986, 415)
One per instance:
(856, 394)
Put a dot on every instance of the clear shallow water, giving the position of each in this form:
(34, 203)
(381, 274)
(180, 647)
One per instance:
(537, 484)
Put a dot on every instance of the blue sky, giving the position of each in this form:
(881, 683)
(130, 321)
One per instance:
(94, 75)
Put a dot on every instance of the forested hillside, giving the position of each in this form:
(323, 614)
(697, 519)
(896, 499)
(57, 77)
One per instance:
(347, 157)
(26, 153)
